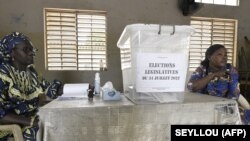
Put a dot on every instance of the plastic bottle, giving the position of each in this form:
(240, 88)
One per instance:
(97, 83)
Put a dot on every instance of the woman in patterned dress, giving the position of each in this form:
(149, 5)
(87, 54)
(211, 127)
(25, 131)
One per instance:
(20, 86)
(217, 78)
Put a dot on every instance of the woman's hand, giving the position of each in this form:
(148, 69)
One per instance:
(201, 83)
(21, 120)
(219, 74)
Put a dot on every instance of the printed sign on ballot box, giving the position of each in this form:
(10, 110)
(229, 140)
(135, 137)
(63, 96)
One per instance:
(161, 72)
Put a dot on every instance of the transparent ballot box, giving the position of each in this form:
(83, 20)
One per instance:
(154, 62)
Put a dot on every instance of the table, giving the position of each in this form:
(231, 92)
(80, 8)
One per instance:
(81, 120)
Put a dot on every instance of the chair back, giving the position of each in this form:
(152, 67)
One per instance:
(15, 129)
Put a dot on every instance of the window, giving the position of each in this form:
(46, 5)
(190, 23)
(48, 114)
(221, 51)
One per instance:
(210, 31)
(220, 2)
(75, 39)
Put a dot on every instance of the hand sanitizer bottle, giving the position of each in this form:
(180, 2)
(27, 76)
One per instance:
(97, 84)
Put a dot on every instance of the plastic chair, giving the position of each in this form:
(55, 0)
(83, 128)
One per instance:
(15, 129)
(243, 102)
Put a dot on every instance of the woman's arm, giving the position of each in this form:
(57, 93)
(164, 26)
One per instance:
(8, 106)
(52, 90)
(201, 83)
(11, 118)
(233, 88)
(199, 80)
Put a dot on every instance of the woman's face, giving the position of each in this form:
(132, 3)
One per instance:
(219, 58)
(23, 53)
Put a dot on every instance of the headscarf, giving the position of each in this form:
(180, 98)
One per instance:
(8, 43)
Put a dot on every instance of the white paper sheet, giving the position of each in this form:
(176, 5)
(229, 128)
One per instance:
(77, 90)
(161, 72)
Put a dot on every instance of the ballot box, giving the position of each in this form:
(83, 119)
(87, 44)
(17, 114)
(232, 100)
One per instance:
(154, 62)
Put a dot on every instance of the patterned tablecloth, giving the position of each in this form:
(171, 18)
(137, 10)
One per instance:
(81, 120)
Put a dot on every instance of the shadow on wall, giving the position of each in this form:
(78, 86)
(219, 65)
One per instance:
(243, 55)
(244, 69)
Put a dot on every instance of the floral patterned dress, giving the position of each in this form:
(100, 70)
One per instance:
(19, 91)
(222, 87)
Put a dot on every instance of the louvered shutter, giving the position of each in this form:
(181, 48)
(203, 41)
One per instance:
(75, 39)
(220, 2)
(211, 31)
(91, 41)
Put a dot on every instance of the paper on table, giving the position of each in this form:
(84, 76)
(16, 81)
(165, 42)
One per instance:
(77, 90)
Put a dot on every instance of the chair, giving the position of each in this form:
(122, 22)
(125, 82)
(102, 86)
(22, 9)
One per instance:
(15, 129)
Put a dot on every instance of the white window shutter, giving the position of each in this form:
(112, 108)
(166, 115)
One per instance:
(211, 31)
(220, 2)
(75, 39)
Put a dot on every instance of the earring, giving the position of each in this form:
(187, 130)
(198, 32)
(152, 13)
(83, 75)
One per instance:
(12, 59)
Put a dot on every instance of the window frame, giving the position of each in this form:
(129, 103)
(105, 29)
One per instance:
(102, 65)
(234, 48)
(216, 3)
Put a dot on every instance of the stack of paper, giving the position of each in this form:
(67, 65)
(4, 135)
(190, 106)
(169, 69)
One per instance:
(75, 91)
